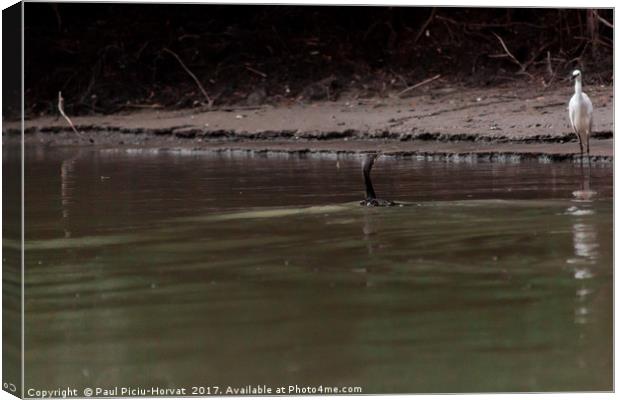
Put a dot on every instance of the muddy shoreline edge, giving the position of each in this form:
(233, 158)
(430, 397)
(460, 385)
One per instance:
(495, 125)
(453, 151)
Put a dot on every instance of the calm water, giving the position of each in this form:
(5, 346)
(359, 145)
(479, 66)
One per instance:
(183, 270)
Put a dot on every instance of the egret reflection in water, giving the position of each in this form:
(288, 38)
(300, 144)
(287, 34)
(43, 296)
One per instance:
(586, 247)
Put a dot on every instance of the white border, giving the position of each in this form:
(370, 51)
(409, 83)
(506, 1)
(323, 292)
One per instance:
(460, 3)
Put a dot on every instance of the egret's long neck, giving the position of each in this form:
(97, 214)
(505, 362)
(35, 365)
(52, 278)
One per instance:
(578, 85)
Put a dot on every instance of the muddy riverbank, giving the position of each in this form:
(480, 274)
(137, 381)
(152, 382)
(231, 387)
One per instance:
(452, 123)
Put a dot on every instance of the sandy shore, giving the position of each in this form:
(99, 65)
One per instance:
(495, 124)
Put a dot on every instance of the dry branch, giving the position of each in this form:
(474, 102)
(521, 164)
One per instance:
(417, 85)
(190, 73)
(522, 66)
(537, 54)
(549, 66)
(512, 57)
(61, 108)
(605, 22)
(426, 24)
(257, 72)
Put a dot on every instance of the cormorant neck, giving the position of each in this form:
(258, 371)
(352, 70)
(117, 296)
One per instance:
(366, 167)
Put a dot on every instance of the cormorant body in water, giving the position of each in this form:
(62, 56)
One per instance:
(371, 198)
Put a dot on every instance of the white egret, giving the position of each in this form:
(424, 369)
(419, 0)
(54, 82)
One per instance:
(580, 114)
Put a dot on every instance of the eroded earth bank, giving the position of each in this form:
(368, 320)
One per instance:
(443, 123)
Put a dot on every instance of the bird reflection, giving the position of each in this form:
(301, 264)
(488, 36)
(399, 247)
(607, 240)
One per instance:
(585, 242)
(67, 179)
(585, 247)
(369, 230)
(585, 193)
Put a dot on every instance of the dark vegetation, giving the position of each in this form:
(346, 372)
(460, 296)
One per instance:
(113, 57)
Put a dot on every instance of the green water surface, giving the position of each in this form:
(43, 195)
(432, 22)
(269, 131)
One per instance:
(186, 269)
